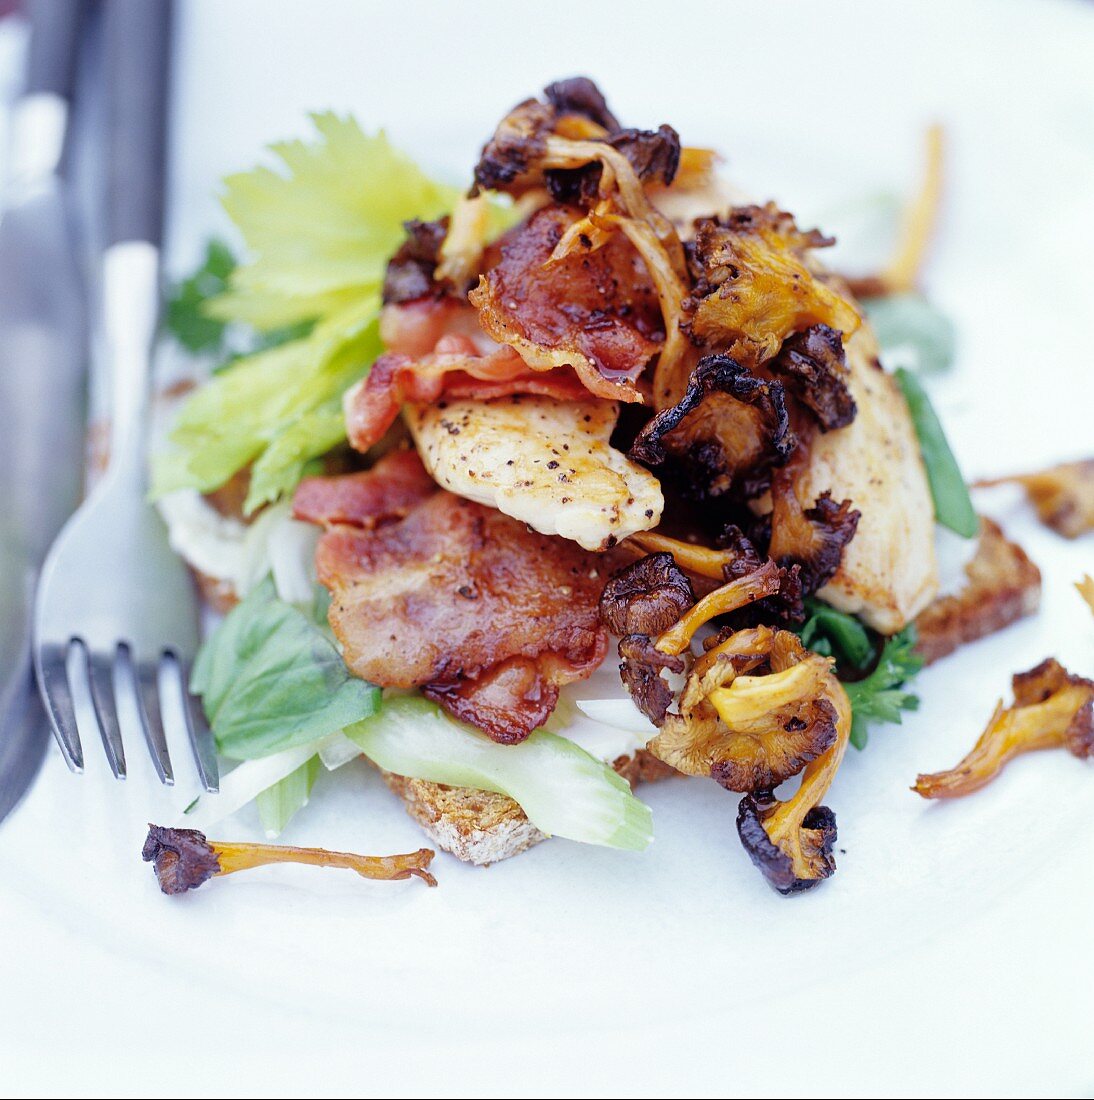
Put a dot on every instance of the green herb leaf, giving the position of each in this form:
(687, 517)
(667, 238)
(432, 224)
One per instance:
(881, 696)
(878, 697)
(270, 679)
(319, 233)
(321, 227)
(275, 408)
(909, 324)
(563, 790)
(185, 316)
(952, 503)
(277, 805)
(836, 634)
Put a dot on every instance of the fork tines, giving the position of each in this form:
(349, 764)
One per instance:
(154, 691)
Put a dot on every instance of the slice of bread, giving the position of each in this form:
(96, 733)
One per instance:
(482, 827)
(1003, 585)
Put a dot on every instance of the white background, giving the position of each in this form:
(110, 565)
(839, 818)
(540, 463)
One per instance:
(951, 954)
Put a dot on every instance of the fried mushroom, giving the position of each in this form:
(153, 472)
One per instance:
(644, 599)
(754, 286)
(730, 428)
(1063, 495)
(790, 842)
(814, 370)
(411, 271)
(647, 597)
(1052, 709)
(640, 670)
(653, 154)
(812, 538)
(578, 95)
(750, 731)
(184, 859)
(509, 160)
(793, 853)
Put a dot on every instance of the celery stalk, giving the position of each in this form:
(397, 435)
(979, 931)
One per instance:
(563, 790)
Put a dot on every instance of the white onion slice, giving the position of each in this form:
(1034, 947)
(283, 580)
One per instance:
(338, 750)
(247, 781)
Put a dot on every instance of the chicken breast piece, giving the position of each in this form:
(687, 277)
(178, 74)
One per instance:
(546, 462)
(888, 574)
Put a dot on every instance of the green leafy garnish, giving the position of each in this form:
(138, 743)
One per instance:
(952, 503)
(189, 321)
(321, 231)
(881, 696)
(319, 234)
(277, 409)
(185, 316)
(836, 634)
(909, 324)
(277, 805)
(563, 790)
(270, 679)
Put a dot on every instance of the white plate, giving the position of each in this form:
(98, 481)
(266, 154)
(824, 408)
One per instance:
(950, 954)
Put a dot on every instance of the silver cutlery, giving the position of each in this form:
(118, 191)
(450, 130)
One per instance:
(43, 371)
(115, 608)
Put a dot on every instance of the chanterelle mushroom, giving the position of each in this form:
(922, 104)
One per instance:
(1063, 495)
(752, 714)
(184, 859)
(791, 842)
(1052, 709)
(756, 708)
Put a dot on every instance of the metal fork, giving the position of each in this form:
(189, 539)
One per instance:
(115, 608)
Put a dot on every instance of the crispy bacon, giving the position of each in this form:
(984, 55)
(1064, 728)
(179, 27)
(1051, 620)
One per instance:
(414, 328)
(391, 489)
(597, 311)
(438, 351)
(487, 616)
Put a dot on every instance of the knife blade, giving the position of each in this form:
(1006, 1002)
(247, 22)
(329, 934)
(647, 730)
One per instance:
(43, 373)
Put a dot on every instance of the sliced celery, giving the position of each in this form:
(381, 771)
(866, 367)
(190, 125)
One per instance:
(563, 790)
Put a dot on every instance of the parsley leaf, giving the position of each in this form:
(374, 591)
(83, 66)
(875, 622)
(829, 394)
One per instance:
(879, 696)
(186, 318)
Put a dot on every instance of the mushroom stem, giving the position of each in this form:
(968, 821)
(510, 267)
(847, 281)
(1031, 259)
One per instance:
(701, 560)
(184, 859)
(783, 824)
(762, 582)
(241, 857)
(902, 271)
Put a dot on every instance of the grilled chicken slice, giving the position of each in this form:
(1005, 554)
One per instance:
(546, 462)
(889, 573)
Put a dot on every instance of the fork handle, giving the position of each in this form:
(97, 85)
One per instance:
(54, 43)
(138, 36)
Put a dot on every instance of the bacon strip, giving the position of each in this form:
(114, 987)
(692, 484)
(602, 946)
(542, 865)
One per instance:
(437, 350)
(391, 489)
(596, 311)
(487, 616)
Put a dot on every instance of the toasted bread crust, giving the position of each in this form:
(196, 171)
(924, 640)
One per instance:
(1003, 586)
(481, 827)
(218, 593)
